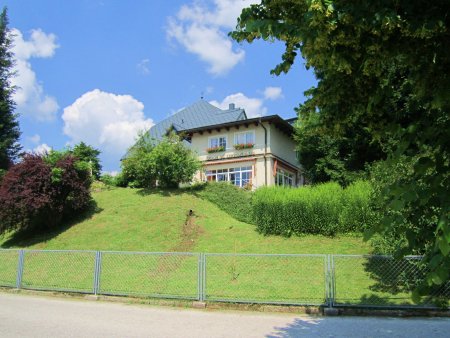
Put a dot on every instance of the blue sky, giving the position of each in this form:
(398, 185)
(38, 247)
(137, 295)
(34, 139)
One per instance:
(101, 70)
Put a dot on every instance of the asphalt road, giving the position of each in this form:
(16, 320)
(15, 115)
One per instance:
(31, 316)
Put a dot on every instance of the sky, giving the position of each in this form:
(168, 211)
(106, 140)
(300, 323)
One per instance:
(101, 71)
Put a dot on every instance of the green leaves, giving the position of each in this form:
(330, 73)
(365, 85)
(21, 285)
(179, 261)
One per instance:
(382, 67)
(444, 246)
(169, 162)
(56, 175)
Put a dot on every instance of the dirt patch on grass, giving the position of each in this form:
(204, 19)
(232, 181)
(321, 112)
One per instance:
(190, 233)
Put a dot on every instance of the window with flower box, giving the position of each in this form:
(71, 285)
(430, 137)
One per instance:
(244, 140)
(216, 144)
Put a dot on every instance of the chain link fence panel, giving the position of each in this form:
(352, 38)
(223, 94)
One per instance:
(275, 279)
(337, 280)
(59, 270)
(382, 281)
(9, 260)
(167, 275)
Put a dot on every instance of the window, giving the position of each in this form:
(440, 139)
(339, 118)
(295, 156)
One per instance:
(218, 141)
(284, 178)
(244, 138)
(240, 176)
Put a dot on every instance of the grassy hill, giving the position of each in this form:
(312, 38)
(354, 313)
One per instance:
(155, 220)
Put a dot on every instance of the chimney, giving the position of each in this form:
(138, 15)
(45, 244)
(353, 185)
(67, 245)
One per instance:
(231, 106)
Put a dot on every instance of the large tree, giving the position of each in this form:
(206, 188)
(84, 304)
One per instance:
(90, 155)
(341, 156)
(9, 126)
(384, 64)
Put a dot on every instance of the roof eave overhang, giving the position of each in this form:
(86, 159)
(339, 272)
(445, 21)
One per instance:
(272, 119)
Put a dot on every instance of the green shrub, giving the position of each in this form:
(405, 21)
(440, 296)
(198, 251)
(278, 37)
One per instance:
(324, 209)
(108, 180)
(229, 198)
(356, 213)
(166, 163)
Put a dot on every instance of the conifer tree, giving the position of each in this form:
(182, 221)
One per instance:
(9, 125)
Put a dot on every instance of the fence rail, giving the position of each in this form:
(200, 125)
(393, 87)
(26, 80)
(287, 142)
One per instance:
(290, 279)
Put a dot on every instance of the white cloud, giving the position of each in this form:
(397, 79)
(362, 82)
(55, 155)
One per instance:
(254, 107)
(34, 139)
(106, 121)
(142, 66)
(113, 173)
(29, 96)
(273, 93)
(42, 149)
(203, 32)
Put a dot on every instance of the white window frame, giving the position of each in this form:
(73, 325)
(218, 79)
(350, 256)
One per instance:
(236, 135)
(285, 176)
(218, 137)
(226, 174)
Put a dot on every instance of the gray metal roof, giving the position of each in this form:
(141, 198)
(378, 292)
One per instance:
(197, 115)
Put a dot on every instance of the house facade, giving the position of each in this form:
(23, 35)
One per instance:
(248, 153)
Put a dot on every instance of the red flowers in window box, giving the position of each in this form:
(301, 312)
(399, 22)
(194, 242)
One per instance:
(241, 146)
(215, 149)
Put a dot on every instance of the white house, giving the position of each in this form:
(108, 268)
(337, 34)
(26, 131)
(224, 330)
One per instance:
(246, 152)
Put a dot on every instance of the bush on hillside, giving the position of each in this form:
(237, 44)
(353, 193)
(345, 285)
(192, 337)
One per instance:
(325, 209)
(167, 163)
(35, 194)
(108, 180)
(229, 198)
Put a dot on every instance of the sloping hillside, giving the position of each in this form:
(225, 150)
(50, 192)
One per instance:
(137, 220)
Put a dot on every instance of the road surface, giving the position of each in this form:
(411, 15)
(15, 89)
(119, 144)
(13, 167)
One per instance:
(31, 316)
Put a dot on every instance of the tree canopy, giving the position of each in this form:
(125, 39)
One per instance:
(9, 126)
(385, 65)
(167, 163)
(90, 155)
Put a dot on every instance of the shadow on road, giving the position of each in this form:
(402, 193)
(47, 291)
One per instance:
(298, 328)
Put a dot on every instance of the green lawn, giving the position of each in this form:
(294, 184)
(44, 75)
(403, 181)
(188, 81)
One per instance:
(156, 221)
(132, 220)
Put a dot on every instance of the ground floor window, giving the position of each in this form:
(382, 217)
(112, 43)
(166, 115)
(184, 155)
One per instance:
(284, 178)
(240, 176)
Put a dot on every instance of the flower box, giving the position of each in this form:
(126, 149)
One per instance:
(215, 149)
(241, 146)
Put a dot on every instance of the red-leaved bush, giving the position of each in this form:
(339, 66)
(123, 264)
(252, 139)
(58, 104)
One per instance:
(35, 194)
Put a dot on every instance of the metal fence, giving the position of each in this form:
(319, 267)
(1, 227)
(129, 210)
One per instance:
(324, 280)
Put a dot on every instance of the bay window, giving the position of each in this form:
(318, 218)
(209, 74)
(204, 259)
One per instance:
(284, 178)
(240, 176)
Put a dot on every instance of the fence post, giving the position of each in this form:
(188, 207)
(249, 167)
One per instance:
(20, 269)
(203, 278)
(327, 279)
(199, 277)
(97, 271)
(330, 280)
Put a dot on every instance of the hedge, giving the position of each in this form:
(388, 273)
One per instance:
(233, 200)
(325, 209)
